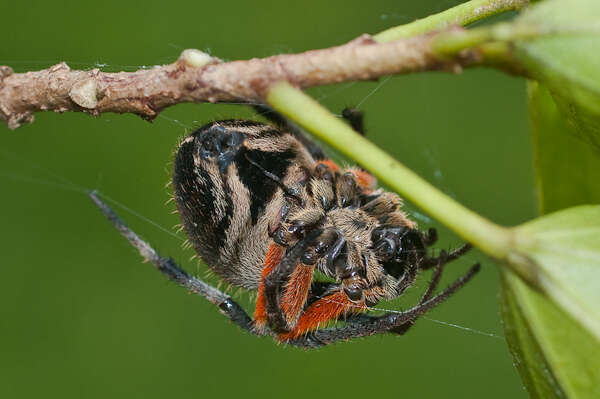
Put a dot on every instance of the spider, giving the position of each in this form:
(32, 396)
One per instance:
(267, 210)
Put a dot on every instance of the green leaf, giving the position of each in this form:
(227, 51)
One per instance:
(568, 172)
(552, 351)
(562, 51)
(530, 361)
(567, 169)
(565, 246)
(555, 357)
(556, 343)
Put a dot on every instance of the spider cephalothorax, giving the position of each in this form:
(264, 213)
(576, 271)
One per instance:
(357, 236)
(266, 210)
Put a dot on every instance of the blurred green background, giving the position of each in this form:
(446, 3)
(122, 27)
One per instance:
(82, 316)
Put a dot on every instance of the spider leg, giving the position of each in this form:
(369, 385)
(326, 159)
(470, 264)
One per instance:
(285, 286)
(407, 281)
(409, 277)
(435, 280)
(173, 272)
(323, 310)
(273, 258)
(428, 262)
(296, 293)
(430, 238)
(355, 119)
(381, 324)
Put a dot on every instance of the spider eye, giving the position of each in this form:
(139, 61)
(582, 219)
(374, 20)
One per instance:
(377, 234)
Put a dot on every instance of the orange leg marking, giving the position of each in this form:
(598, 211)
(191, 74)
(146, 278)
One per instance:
(324, 310)
(296, 291)
(332, 165)
(273, 258)
(364, 179)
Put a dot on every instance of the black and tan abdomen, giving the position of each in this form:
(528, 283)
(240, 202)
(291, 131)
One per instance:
(225, 201)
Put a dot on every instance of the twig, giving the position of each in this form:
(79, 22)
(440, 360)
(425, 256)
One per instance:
(197, 77)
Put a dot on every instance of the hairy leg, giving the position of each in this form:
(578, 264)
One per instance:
(382, 324)
(428, 262)
(355, 118)
(276, 282)
(173, 272)
(272, 260)
(435, 279)
(326, 309)
(362, 327)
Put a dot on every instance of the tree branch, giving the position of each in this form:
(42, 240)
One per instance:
(197, 77)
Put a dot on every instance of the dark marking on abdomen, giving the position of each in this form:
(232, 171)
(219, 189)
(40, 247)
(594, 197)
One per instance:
(262, 188)
(197, 205)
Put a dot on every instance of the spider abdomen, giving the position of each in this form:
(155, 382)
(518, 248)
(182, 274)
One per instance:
(225, 201)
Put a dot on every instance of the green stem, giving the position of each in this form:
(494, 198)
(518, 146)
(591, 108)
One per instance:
(298, 106)
(462, 14)
(451, 43)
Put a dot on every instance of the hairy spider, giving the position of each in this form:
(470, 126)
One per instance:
(265, 209)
